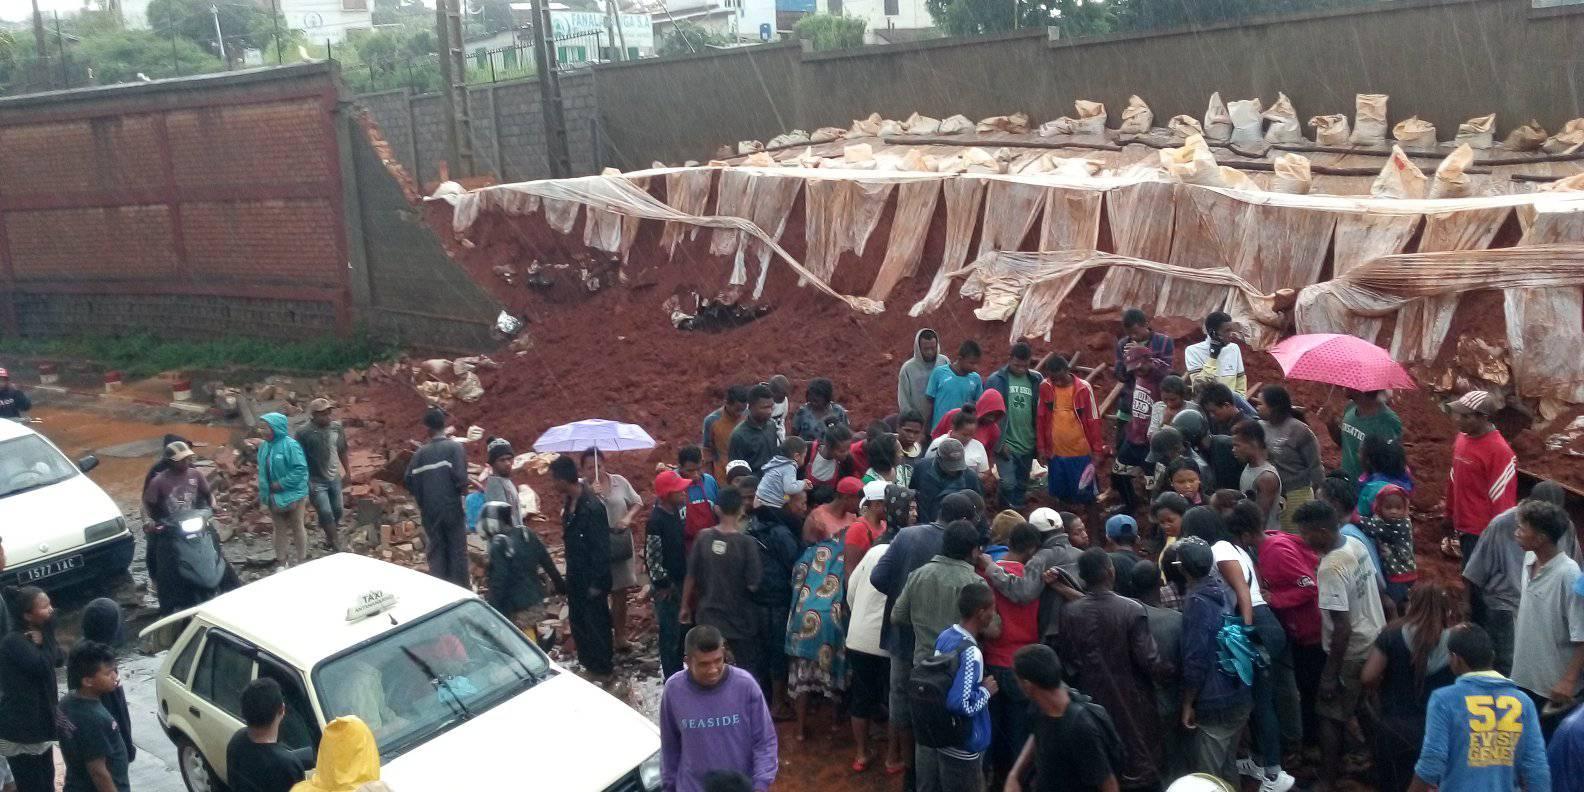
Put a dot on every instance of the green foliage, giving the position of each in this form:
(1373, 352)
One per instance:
(1077, 18)
(244, 25)
(831, 32)
(118, 56)
(686, 37)
(145, 355)
(494, 15)
(411, 13)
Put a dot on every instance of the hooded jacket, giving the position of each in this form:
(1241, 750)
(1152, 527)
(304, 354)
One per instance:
(349, 760)
(1203, 609)
(914, 377)
(281, 460)
(1056, 552)
(998, 383)
(101, 621)
(1508, 745)
(1083, 403)
(778, 481)
(988, 435)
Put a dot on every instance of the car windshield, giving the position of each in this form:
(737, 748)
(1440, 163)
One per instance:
(29, 463)
(421, 679)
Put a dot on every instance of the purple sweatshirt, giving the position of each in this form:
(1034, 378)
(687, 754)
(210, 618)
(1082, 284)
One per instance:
(726, 727)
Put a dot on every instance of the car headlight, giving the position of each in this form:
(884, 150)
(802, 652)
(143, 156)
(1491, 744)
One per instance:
(105, 530)
(649, 773)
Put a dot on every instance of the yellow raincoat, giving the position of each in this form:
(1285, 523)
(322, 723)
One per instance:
(349, 760)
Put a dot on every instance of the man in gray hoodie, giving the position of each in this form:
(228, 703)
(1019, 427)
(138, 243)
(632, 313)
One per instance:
(915, 374)
(1057, 553)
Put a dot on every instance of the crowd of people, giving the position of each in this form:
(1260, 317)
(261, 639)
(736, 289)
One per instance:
(998, 586)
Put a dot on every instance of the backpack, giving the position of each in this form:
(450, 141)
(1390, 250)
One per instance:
(928, 688)
(1108, 734)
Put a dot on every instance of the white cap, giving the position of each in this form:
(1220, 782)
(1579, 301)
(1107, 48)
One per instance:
(1046, 520)
(874, 491)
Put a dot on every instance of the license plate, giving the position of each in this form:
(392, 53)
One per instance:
(51, 569)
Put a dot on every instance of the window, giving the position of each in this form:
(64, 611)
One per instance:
(30, 463)
(223, 671)
(892, 8)
(834, 6)
(298, 729)
(182, 668)
(354, 5)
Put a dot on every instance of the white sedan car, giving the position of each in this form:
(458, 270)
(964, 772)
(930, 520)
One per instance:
(456, 696)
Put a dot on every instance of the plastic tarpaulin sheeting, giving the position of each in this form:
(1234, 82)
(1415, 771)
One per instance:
(915, 207)
(1029, 288)
(841, 215)
(963, 197)
(1423, 325)
(620, 196)
(687, 191)
(1141, 218)
(1010, 208)
(1545, 331)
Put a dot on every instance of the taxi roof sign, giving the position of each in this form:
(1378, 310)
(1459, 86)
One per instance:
(370, 603)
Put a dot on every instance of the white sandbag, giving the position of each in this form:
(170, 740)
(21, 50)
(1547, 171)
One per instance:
(890, 128)
(1450, 180)
(760, 159)
(956, 125)
(1056, 126)
(1415, 133)
(796, 137)
(1330, 130)
(1292, 175)
(1017, 124)
(1568, 141)
(913, 160)
(1247, 128)
(1184, 126)
(1369, 120)
(1217, 122)
(749, 146)
(1284, 126)
(1091, 118)
(1574, 183)
(1137, 118)
(1234, 179)
(977, 160)
(1478, 133)
(1528, 137)
(1400, 178)
(1192, 163)
(922, 125)
(827, 134)
(867, 127)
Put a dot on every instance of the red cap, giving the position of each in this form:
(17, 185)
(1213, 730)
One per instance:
(849, 486)
(670, 481)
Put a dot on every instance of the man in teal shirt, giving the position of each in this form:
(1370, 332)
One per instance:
(1366, 415)
(1482, 733)
(955, 385)
(1019, 385)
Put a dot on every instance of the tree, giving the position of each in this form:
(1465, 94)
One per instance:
(410, 13)
(686, 37)
(493, 15)
(244, 25)
(831, 32)
(121, 55)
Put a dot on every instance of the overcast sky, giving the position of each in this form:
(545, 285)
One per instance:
(20, 10)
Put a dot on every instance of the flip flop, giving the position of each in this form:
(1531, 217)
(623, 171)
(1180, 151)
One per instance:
(897, 769)
(860, 765)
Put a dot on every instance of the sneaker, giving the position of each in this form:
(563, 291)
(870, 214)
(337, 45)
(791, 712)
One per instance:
(1281, 782)
(1249, 767)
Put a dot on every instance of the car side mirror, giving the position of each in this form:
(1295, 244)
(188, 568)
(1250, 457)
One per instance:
(88, 463)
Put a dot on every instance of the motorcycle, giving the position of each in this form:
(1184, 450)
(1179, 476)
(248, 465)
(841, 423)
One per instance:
(192, 568)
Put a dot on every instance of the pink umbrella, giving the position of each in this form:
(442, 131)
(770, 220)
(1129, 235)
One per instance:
(1342, 360)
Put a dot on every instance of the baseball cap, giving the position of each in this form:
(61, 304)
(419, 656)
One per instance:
(950, 455)
(670, 482)
(1195, 557)
(849, 486)
(1136, 356)
(320, 405)
(1475, 401)
(1164, 445)
(738, 464)
(177, 451)
(1121, 526)
(1046, 519)
(874, 491)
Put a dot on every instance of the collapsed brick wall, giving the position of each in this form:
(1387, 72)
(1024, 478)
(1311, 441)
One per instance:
(217, 199)
(508, 128)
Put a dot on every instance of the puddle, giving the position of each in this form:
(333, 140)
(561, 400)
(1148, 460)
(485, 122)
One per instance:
(126, 446)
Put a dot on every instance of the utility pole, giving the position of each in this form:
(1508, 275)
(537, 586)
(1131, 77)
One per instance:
(214, 11)
(550, 93)
(60, 46)
(453, 73)
(275, 21)
(38, 34)
(618, 37)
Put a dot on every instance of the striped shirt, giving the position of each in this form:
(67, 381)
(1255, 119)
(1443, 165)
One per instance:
(1484, 481)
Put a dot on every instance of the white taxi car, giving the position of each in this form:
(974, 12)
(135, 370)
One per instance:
(456, 696)
(59, 527)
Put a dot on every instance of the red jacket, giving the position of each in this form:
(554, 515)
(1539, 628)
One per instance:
(1286, 569)
(1484, 481)
(989, 434)
(1088, 414)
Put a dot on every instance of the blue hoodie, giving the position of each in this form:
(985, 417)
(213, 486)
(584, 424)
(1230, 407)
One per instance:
(281, 460)
(1482, 734)
(969, 696)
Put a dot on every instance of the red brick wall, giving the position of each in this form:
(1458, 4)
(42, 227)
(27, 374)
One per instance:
(221, 192)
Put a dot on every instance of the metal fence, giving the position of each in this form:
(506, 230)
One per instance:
(421, 73)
